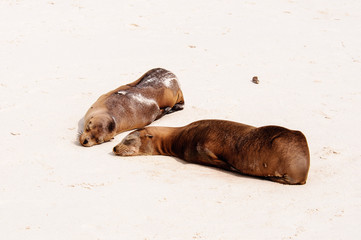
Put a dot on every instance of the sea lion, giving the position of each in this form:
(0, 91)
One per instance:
(132, 106)
(270, 152)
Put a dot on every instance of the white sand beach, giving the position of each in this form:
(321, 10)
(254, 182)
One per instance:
(57, 57)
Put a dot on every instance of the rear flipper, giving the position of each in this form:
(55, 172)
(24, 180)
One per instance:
(176, 107)
(285, 179)
(168, 110)
(162, 112)
(179, 104)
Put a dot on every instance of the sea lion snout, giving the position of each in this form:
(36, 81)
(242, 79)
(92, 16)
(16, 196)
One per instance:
(97, 130)
(136, 143)
(129, 146)
(85, 140)
(123, 150)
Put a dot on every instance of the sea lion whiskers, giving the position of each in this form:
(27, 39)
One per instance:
(80, 132)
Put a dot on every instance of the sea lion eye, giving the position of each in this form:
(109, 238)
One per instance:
(111, 126)
(128, 141)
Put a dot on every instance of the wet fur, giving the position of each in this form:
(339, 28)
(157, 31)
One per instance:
(132, 106)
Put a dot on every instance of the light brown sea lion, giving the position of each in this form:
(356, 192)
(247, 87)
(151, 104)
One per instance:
(270, 152)
(132, 106)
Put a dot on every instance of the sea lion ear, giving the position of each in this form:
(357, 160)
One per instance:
(111, 125)
(149, 136)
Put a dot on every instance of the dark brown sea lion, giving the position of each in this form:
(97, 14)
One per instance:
(132, 106)
(270, 152)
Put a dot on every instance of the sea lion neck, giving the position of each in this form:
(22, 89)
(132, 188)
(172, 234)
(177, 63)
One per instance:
(164, 139)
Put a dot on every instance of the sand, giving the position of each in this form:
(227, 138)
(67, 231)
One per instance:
(58, 57)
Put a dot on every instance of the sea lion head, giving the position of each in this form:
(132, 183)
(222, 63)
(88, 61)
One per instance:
(139, 142)
(98, 129)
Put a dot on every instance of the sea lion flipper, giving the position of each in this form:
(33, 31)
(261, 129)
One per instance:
(285, 179)
(210, 154)
(168, 110)
(210, 158)
(177, 107)
(162, 112)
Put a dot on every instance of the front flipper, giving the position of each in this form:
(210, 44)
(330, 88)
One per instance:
(209, 158)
